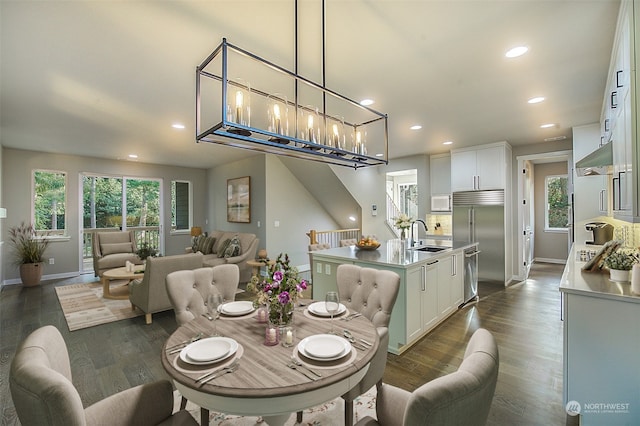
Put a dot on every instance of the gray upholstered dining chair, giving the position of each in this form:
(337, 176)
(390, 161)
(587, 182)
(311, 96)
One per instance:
(43, 392)
(188, 290)
(459, 398)
(372, 292)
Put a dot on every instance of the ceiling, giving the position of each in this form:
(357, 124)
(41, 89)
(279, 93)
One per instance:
(109, 78)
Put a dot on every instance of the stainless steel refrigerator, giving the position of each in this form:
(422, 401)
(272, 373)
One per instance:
(478, 216)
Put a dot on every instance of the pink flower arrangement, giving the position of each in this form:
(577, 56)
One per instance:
(279, 290)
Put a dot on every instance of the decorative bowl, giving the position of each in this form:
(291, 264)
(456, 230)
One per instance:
(370, 246)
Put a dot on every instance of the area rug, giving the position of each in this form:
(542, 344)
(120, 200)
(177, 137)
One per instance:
(84, 306)
(328, 414)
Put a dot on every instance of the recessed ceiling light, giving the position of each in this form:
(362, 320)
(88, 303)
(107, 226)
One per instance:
(352, 218)
(516, 51)
(379, 154)
(366, 102)
(447, 143)
(536, 100)
(133, 156)
(547, 126)
(416, 127)
(177, 126)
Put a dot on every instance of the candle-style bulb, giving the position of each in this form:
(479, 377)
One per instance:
(239, 99)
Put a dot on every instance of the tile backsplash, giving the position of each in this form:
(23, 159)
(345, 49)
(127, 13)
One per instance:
(443, 219)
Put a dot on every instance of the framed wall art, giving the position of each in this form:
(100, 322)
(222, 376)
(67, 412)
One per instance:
(239, 200)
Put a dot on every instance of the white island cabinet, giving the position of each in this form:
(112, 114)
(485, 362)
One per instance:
(430, 284)
(601, 346)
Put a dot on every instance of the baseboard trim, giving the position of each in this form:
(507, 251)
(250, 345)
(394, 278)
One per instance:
(15, 281)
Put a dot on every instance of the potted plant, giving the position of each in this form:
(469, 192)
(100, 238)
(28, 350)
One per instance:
(146, 250)
(620, 264)
(28, 253)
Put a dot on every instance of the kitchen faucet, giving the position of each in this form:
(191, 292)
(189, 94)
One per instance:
(412, 242)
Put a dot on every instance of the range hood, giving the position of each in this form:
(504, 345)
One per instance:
(599, 162)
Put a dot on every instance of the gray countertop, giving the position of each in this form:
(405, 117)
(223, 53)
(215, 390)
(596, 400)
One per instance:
(595, 284)
(392, 253)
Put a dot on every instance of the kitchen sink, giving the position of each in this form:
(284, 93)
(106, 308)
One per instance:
(431, 248)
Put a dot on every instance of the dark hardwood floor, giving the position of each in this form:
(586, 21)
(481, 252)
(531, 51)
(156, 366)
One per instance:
(524, 318)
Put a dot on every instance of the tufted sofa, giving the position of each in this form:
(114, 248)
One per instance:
(212, 247)
(188, 290)
(150, 293)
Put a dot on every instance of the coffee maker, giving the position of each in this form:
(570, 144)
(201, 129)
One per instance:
(602, 232)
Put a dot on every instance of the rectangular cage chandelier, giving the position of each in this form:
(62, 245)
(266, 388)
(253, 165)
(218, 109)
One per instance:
(245, 101)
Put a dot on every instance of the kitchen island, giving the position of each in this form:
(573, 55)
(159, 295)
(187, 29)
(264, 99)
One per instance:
(431, 283)
(601, 345)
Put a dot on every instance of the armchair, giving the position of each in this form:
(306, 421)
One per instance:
(112, 250)
(43, 392)
(460, 398)
(150, 293)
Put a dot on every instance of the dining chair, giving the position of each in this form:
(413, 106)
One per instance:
(43, 392)
(188, 290)
(373, 293)
(459, 398)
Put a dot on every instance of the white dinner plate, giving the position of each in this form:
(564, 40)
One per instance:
(320, 309)
(324, 347)
(209, 350)
(237, 308)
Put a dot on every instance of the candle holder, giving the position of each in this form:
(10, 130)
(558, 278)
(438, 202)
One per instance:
(262, 314)
(309, 125)
(271, 335)
(288, 336)
(239, 104)
(278, 117)
(335, 134)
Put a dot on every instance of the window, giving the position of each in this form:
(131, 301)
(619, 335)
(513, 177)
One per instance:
(180, 206)
(556, 203)
(49, 201)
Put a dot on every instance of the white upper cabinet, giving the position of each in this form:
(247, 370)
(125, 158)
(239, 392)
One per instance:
(440, 174)
(619, 115)
(480, 168)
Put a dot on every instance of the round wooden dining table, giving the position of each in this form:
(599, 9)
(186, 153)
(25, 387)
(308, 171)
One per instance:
(264, 385)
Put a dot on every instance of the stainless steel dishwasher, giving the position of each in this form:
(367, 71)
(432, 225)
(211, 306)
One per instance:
(470, 274)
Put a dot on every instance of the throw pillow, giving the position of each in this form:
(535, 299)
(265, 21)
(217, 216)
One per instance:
(106, 249)
(208, 246)
(223, 247)
(198, 243)
(233, 249)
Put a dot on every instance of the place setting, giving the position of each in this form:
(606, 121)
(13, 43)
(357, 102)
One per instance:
(236, 310)
(331, 349)
(206, 356)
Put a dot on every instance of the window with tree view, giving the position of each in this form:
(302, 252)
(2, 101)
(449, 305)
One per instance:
(49, 201)
(557, 202)
(180, 206)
